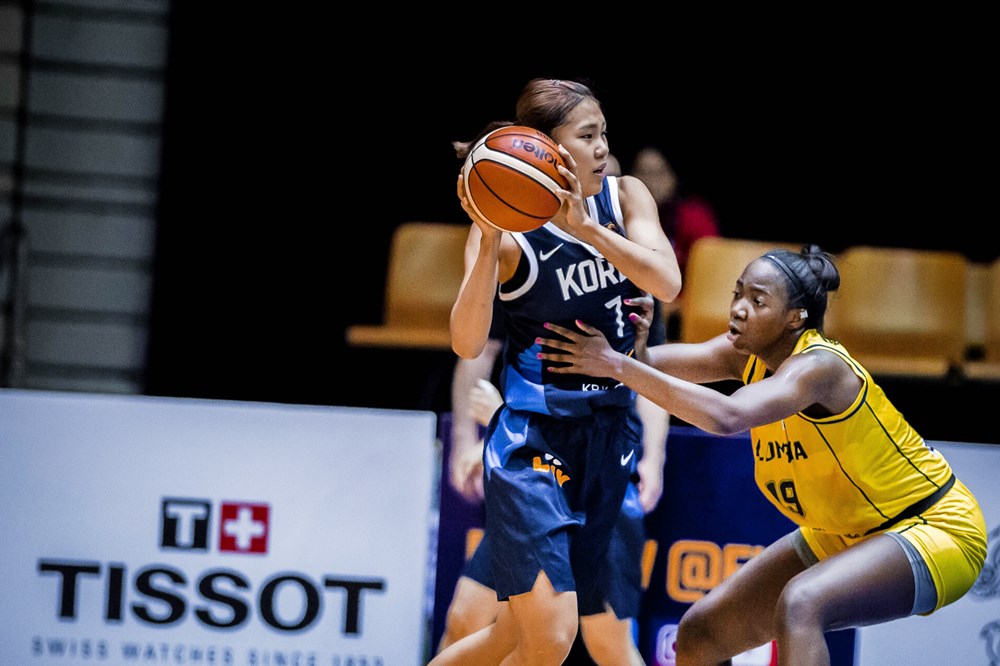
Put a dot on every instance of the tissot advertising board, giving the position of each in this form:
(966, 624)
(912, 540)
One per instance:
(158, 531)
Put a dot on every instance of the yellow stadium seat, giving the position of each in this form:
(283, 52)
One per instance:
(714, 264)
(988, 315)
(899, 311)
(424, 273)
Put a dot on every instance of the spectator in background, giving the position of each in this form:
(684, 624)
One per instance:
(684, 217)
(614, 167)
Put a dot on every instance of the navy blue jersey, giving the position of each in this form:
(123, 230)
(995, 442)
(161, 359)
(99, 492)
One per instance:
(560, 279)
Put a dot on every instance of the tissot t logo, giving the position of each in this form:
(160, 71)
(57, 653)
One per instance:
(184, 523)
(243, 527)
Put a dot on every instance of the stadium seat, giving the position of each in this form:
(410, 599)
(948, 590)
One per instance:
(901, 312)
(714, 264)
(424, 273)
(988, 314)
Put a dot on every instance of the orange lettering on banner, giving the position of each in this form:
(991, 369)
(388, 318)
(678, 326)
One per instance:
(695, 567)
(472, 539)
(736, 555)
(648, 559)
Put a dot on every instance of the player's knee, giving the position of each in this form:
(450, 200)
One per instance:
(550, 644)
(695, 634)
(605, 652)
(798, 605)
(608, 640)
(453, 632)
(461, 620)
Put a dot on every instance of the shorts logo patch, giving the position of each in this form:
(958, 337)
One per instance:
(550, 466)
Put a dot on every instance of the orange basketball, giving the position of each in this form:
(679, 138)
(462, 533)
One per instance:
(511, 178)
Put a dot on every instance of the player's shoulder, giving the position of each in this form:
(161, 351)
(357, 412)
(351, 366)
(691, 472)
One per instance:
(634, 196)
(818, 363)
(630, 185)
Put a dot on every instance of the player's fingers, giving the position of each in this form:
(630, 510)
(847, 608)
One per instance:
(586, 328)
(553, 343)
(567, 157)
(569, 170)
(558, 357)
(643, 304)
(640, 323)
(572, 191)
(562, 369)
(565, 332)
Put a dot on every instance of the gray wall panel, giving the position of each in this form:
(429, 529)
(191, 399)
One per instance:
(144, 195)
(96, 97)
(10, 84)
(92, 152)
(90, 234)
(93, 290)
(8, 140)
(90, 186)
(102, 345)
(11, 21)
(99, 42)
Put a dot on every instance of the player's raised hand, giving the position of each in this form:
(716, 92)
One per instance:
(573, 211)
(585, 351)
(642, 319)
(489, 231)
(484, 400)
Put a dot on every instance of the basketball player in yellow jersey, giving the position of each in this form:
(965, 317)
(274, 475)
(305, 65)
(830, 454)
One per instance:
(885, 528)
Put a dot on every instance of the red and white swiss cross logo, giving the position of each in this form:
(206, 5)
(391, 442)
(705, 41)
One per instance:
(243, 527)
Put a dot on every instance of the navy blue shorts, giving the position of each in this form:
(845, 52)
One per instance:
(621, 575)
(554, 492)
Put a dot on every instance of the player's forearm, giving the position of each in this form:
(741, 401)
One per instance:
(698, 405)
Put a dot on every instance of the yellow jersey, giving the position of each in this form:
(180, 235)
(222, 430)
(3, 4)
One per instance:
(851, 473)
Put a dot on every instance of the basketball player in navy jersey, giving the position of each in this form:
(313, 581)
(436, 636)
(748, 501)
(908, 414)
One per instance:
(609, 635)
(560, 452)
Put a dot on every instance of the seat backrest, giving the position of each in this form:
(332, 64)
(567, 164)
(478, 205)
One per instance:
(424, 273)
(900, 303)
(991, 310)
(714, 264)
(977, 275)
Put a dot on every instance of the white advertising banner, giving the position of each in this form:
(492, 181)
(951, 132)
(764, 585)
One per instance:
(966, 632)
(139, 530)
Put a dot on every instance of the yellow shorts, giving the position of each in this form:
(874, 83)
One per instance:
(950, 537)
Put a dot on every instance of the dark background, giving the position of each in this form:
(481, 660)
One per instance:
(289, 158)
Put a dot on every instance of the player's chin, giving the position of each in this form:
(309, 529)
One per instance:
(592, 183)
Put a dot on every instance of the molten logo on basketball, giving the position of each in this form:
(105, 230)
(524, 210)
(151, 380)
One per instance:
(538, 151)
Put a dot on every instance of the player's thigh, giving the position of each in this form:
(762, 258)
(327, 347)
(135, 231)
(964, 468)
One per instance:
(544, 613)
(869, 582)
(473, 607)
(607, 638)
(745, 601)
